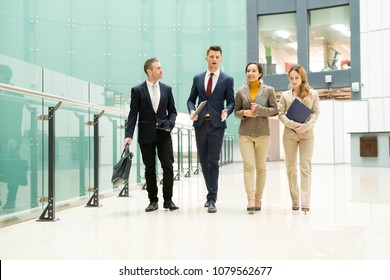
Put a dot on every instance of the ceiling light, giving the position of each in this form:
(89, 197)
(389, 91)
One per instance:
(342, 28)
(282, 33)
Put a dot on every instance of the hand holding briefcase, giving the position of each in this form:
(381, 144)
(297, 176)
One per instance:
(121, 171)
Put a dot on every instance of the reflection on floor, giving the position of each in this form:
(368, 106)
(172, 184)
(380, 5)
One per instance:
(349, 219)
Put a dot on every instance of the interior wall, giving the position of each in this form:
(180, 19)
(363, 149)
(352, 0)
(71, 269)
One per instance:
(375, 42)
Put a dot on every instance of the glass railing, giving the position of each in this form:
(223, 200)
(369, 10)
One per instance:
(48, 144)
(58, 152)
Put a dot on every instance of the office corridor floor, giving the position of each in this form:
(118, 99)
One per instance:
(349, 220)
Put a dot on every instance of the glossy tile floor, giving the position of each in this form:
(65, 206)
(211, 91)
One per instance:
(349, 219)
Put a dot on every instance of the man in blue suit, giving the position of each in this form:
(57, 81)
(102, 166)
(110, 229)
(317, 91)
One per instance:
(215, 87)
(152, 102)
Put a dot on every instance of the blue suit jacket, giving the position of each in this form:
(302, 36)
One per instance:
(224, 90)
(141, 108)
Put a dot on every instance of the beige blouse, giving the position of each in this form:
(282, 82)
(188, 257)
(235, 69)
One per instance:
(312, 101)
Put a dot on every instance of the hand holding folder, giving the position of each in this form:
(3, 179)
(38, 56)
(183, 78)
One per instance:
(298, 112)
(200, 107)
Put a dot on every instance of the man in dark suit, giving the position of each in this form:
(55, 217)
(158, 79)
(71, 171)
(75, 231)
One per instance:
(215, 87)
(152, 102)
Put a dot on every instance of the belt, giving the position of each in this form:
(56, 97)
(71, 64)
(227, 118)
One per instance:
(207, 118)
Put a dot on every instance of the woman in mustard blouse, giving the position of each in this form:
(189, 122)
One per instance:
(254, 103)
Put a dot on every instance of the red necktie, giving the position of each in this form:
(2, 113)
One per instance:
(209, 85)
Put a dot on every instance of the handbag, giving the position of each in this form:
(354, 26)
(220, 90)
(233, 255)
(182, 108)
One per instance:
(121, 172)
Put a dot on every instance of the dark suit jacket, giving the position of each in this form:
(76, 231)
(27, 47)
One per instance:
(224, 90)
(149, 121)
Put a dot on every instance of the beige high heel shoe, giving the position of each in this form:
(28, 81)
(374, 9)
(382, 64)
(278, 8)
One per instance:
(305, 209)
(295, 206)
(251, 205)
(257, 205)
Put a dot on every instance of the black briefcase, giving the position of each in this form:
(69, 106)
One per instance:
(121, 171)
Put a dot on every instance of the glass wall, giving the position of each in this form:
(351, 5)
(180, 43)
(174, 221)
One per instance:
(277, 43)
(106, 42)
(330, 39)
(322, 36)
(24, 151)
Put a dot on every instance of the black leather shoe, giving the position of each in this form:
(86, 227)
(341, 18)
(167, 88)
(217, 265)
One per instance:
(153, 206)
(207, 204)
(212, 208)
(170, 205)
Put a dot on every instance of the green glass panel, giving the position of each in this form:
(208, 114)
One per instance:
(62, 85)
(72, 153)
(21, 141)
(90, 12)
(89, 53)
(125, 60)
(14, 162)
(15, 25)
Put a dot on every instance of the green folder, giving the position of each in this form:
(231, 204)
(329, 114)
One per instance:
(261, 100)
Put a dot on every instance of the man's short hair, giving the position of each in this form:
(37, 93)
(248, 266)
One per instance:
(148, 64)
(214, 48)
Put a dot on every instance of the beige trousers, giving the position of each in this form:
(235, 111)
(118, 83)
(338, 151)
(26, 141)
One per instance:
(254, 151)
(304, 143)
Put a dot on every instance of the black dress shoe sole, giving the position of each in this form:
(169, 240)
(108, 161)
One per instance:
(151, 209)
(171, 208)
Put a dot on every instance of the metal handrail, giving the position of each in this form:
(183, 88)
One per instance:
(64, 100)
(70, 101)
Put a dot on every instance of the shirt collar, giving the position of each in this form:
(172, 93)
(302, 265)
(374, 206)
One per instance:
(149, 84)
(216, 73)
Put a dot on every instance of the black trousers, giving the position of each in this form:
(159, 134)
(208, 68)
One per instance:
(163, 145)
(209, 141)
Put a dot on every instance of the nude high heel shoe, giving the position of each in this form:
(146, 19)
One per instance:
(305, 209)
(257, 205)
(295, 206)
(251, 206)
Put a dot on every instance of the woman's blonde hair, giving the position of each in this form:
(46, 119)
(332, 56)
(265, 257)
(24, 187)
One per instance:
(304, 88)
